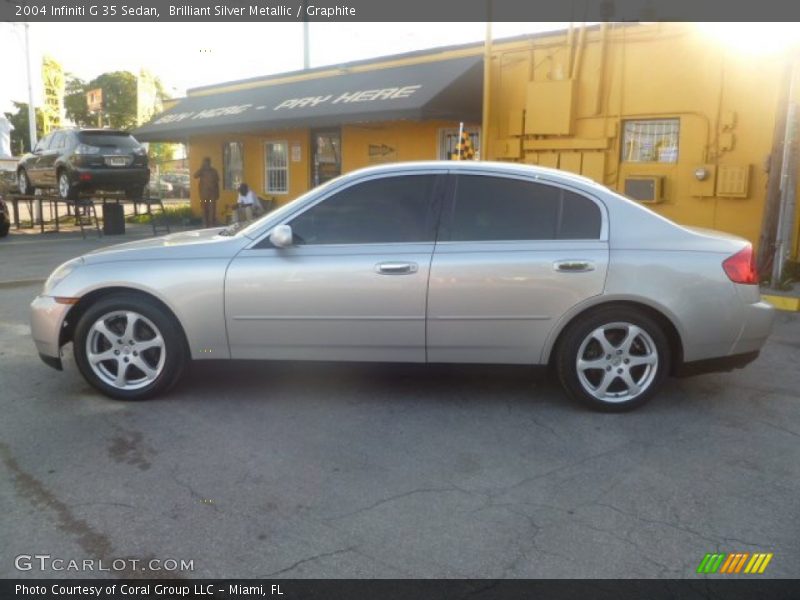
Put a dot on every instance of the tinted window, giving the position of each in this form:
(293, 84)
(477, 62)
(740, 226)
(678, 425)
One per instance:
(58, 141)
(115, 139)
(387, 210)
(43, 143)
(496, 208)
(580, 218)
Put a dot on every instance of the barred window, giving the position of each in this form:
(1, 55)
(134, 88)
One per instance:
(652, 140)
(276, 165)
(232, 165)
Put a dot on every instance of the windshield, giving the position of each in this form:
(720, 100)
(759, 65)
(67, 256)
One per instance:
(118, 140)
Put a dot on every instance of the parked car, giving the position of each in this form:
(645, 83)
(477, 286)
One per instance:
(436, 262)
(181, 184)
(159, 188)
(8, 185)
(5, 217)
(85, 160)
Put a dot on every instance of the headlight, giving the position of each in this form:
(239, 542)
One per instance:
(60, 274)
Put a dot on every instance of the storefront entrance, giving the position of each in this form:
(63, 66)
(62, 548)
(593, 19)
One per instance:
(326, 155)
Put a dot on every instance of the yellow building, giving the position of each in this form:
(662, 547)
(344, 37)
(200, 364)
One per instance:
(661, 112)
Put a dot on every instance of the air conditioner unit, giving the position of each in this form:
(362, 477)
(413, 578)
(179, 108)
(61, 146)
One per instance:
(645, 188)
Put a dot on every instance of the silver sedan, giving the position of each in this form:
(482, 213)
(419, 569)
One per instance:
(437, 262)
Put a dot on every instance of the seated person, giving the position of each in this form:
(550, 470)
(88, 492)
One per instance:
(247, 204)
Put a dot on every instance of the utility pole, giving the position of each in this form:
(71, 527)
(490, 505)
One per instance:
(31, 106)
(487, 80)
(306, 51)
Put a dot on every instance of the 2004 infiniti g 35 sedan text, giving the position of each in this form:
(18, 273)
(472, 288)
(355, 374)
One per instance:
(436, 262)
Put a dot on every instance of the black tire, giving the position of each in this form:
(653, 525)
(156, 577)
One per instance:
(136, 192)
(66, 190)
(175, 353)
(611, 384)
(24, 183)
(4, 228)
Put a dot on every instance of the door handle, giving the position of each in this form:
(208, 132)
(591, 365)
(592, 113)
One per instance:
(395, 268)
(573, 266)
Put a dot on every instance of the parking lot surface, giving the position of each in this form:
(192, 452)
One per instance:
(320, 470)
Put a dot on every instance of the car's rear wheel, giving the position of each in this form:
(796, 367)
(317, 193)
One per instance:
(66, 190)
(613, 360)
(24, 183)
(129, 347)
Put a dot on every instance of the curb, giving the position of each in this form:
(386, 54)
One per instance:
(20, 283)
(788, 303)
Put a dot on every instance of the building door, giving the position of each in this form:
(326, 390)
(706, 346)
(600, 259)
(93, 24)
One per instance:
(326, 155)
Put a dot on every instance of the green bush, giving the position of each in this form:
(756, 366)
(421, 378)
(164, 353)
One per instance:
(181, 215)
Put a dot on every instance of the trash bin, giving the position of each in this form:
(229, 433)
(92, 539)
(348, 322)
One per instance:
(113, 219)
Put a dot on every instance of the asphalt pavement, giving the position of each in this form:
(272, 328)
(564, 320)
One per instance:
(320, 470)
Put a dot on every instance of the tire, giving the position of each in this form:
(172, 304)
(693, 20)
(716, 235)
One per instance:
(24, 183)
(4, 228)
(150, 365)
(66, 190)
(135, 193)
(595, 355)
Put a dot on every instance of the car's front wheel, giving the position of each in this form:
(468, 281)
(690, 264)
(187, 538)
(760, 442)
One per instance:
(614, 360)
(24, 183)
(129, 347)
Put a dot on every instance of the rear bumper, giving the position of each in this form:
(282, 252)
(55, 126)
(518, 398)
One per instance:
(756, 327)
(47, 318)
(109, 178)
(716, 365)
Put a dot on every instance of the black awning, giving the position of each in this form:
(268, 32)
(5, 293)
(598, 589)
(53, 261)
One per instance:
(444, 89)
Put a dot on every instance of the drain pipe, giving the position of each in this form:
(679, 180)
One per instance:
(788, 185)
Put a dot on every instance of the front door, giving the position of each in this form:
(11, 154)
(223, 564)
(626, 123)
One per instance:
(513, 256)
(353, 284)
(326, 155)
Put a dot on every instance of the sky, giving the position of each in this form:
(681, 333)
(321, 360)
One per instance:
(186, 55)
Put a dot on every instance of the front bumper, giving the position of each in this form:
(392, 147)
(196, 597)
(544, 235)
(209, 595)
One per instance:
(47, 320)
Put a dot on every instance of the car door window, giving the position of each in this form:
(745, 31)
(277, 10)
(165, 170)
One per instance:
(503, 209)
(43, 144)
(57, 142)
(379, 211)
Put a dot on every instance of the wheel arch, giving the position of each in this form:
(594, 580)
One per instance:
(659, 314)
(87, 300)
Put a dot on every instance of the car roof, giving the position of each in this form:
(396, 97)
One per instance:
(482, 166)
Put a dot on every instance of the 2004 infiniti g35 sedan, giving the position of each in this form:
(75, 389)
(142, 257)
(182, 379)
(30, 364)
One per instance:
(436, 262)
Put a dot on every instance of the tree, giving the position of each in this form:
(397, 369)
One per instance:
(75, 101)
(20, 137)
(119, 98)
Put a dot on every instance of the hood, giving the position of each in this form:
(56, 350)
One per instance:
(200, 243)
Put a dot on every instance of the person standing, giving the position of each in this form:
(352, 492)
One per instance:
(209, 191)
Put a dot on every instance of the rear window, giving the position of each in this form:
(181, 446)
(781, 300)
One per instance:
(117, 140)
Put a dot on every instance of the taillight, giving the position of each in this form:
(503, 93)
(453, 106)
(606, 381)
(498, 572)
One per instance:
(741, 267)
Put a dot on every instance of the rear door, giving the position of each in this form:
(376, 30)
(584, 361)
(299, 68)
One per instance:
(513, 256)
(353, 284)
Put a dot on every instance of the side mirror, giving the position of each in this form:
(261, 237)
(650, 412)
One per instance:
(281, 236)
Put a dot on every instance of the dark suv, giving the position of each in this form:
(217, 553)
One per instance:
(85, 160)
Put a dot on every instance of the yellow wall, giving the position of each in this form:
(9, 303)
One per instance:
(726, 102)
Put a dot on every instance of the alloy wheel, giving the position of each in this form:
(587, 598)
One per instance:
(617, 362)
(125, 350)
(63, 185)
